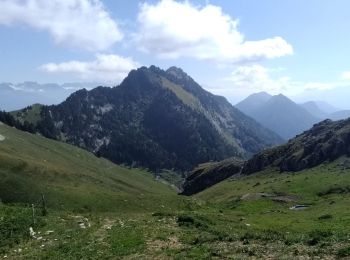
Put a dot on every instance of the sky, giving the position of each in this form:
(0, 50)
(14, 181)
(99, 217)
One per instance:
(232, 48)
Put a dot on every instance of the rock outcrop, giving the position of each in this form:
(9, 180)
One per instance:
(209, 174)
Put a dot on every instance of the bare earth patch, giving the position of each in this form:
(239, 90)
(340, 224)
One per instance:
(172, 242)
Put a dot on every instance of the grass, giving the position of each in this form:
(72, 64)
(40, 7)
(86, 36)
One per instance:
(71, 178)
(30, 114)
(126, 213)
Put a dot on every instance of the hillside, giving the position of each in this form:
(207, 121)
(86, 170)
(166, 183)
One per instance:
(98, 209)
(71, 178)
(318, 109)
(208, 174)
(279, 114)
(325, 141)
(155, 119)
(313, 108)
(302, 211)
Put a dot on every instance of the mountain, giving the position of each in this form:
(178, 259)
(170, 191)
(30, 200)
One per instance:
(325, 141)
(17, 96)
(278, 113)
(313, 108)
(339, 115)
(326, 107)
(155, 119)
(337, 96)
(253, 102)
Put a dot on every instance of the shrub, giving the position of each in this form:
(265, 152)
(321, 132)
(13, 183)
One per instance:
(15, 222)
(343, 252)
(325, 217)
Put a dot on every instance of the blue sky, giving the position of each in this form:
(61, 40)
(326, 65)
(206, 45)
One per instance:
(232, 48)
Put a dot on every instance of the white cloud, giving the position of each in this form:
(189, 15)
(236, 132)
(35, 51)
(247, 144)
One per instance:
(258, 78)
(346, 75)
(320, 86)
(172, 29)
(107, 68)
(76, 23)
(248, 79)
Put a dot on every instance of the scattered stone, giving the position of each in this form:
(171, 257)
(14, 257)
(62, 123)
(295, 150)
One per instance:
(121, 223)
(82, 225)
(31, 232)
(49, 232)
(2, 138)
(299, 207)
(83, 222)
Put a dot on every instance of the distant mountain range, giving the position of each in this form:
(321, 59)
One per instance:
(155, 119)
(285, 117)
(17, 96)
(278, 113)
(323, 111)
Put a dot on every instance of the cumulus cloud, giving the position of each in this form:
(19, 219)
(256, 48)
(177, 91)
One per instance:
(258, 78)
(248, 79)
(346, 75)
(172, 29)
(76, 23)
(106, 68)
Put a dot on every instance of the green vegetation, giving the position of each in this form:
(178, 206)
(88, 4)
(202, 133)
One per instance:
(99, 210)
(31, 114)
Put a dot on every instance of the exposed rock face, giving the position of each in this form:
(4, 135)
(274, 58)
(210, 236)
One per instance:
(155, 119)
(209, 174)
(325, 141)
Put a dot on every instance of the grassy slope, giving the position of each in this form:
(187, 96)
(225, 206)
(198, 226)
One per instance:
(134, 217)
(71, 178)
(325, 188)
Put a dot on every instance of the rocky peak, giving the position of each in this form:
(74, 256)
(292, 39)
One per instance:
(178, 73)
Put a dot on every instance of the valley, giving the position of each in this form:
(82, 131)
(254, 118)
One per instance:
(98, 209)
(159, 168)
(174, 129)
